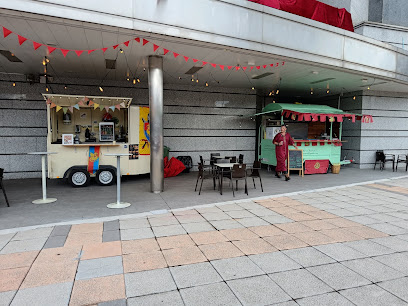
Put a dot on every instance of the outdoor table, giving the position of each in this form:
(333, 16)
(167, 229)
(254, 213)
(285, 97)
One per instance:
(223, 166)
(44, 199)
(118, 203)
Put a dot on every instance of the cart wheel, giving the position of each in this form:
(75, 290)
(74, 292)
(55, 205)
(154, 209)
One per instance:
(105, 177)
(79, 178)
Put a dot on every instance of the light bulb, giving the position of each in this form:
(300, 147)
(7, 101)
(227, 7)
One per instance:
(43, 62)
(65, 87)
(46, 89)
(100, 88)
(121, 51)
(270, 94)
(127, 79)
(354, 97)
(277, 91)
(134, 81)
(368, 87)
(138, 80)
(14, 84)
(253, 88)
(328, 91)
(47, 60)
(197, 80)
(179, 78)
(206, 84)
(311, 92)
(192, 80)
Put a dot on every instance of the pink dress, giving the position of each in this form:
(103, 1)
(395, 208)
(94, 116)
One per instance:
(282, 152)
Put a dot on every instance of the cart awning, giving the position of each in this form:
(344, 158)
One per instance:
(309, 112)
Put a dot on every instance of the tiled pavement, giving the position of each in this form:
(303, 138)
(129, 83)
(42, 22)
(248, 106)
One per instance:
(347, 246)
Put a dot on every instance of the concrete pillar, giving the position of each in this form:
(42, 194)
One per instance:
(156, 123)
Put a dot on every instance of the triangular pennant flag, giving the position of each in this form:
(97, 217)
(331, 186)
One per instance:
(64, 52)
(145, 41)
(205, 63)
(137, 39)
(90, 51)
(81, 103)
(155, 47)
(214, 65)
(117, 106)
(91, 103)
(51, 49)
(6, 32)
(221, 66)
(115, 46)
(96, 105)
(186, 58)
(104, 49)
(36, 45)
(86, 99)
(175, 54)
(229, 67)
(271, 65)
(237, 68)
(165, 51)
(258, 67)
(126, 43)
(245, 68)
(71, 109)
(48, 101)
(21, 39)
(79, 52)
(195, 60)
(53, 105)
(123, 104)
(277, 64)
(112, 108)
(58, 108)
(265, 66)
(101, 107)
(107, 109)
(65, 109)
(252, 67)
(283, 63)
(76, 106)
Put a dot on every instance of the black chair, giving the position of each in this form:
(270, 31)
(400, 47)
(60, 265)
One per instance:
(2, 186)
(238, 173)
(255, 173)
(382, 158)
(203, 175)
(402, 158)
(241, 159)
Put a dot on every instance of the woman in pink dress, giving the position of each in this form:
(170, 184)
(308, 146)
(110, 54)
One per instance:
(282, 142)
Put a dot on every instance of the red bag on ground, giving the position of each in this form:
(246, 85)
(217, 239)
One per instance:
(316, 166)
(173, 167)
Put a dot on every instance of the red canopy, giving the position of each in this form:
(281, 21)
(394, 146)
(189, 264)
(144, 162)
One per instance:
(314, 10)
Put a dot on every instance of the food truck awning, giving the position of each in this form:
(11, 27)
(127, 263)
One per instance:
(309, 112)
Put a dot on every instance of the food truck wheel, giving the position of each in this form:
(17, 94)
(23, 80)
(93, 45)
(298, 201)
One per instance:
(79, 178)
(105, 177)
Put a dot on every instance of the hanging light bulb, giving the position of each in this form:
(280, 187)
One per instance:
(354, 97)
(144, 69)
(311, 91)
(134, 81)
(197, 80)
(270, 94)
(253, 88)
(127, 79)
(368, 87)
(47, 59)
(46, 89)
(44, 62)
(65, 87)
(120, 50)
(14, 84)
(179, 78)
(100, 88)
(206, 84)
(328, 91)
(138, 80)
(192, 79)
(277, 91)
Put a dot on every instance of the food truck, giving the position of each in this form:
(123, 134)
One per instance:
(316, 130)
(82, 129)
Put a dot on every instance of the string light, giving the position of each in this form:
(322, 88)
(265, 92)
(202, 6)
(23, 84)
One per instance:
(138, 80)
(270, 94)
(65, 87)
(206, 84)
(100, 88)
(328, 91)
(127, 79)
(46, 89)
(368, 87)
(354, 97)
(277, 91)
(121, 51)
(44, 62)
(179, 78)
(192, 79)
(253, 88)
(14, 84)
(197, 80)
(134, 81)
(311, 91)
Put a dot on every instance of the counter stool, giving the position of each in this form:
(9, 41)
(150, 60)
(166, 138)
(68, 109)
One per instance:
(2, 186)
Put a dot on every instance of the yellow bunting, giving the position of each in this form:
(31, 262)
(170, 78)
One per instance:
(58, 108)
(96, 105)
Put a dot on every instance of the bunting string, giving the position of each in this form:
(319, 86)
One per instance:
(85, 102)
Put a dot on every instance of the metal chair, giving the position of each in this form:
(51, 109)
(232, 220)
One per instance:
(382, 158)
(241, 159)
(255, 173)
(402, 158)
(203, 175)
(2, 186)
(239, 173)
(233, 159)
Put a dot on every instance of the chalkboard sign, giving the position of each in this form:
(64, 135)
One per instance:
(295, 160)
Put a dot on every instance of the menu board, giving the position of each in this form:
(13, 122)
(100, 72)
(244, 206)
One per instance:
(295, 160)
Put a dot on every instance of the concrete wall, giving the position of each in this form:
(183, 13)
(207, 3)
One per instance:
(194, 122)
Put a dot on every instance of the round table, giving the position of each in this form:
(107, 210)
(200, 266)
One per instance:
(118, 203)
(44, 199)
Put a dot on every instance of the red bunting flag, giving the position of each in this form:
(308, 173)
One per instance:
(258, 67)
(64, 52)
(36, 45)
(126, 43)
(229, 67)
(91, 103)
(245, 68)
(115, 46)
(271, 65)
(195, 60)
(264, 66)
(155, 47)
(186, 58)
(90, 51)
(6, 32)
(252, 67)
(175, 54)
(53, 105)
(237, 68)
(214, 65)
(104, 50)
(205, 63)
(283, 63)
(145, 41)
(137, 39)
(21, 39)
(79, 52)
(277, 64)
(117, 106)
(221, 66)
(51, 49)
(49, 101)
(165, 51)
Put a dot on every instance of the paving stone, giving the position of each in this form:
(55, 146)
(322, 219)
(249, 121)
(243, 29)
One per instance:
(6, 297)
(11, 279)
(134, 223)
(208, 237)
(384, 218)
(121, 302)
(143, 261)
(136, 233)
(339, 251)
(393, 243)
(372, 269)
(190, 218)
(24, 246)
(300, 283)
(226, 224)
(61, 230)
(212, 294)
(99, 250)
(369, 247)
(230, 207)
(258, 290)
(198, 227)
(397, 261)
(397, 287)
(174, 242)
(162, 221)
(237, 214)
(33, 234)
(184, 212)
(233, 268)
(220, 250)
(285, 242)
(365, 220)
(184, 256)
(108, 236)
(255, 221)
(99, 267)
(266, 230)
(168, 230)
(87, 228)
(261, 212)
(216, 216)
(371, 295)
(210, 209)
(254, 246)
(195, 275)
(389, 228)
(111, 225)
(55, 242)
(338, 276)
(140, 246)
(288, 303)
(308, 257)
(17, 260)
(4, 239)
(333, 299)
(149, 282)
(171, 298)
(250, 205)
(55, 294)
(274, 262)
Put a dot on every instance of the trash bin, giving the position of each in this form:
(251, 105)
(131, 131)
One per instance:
(166, 151)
